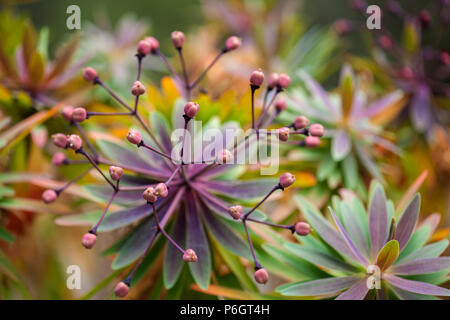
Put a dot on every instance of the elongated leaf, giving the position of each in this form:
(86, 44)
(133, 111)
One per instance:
(341, 145)
(5, 235)
(125, 197)
(124, 217)
(388, 254)
(173, 259)
(406, 295)
(422, 266)
(317, 287)
(416, 286)
(242, 189)
(354, 229)
(408, 220)
(429, 251)
(358, 291)
(378, 219)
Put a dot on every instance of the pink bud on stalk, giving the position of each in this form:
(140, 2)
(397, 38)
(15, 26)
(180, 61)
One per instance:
(154, 44)
(283, 134)
(191, 109)
(49, 196)
(190, 256)
(235, 212)
(90, 74)
(58, 158)
(59, 140)
(302, 228)
(161, 190)
(178, 39)
(287, 179)
(66, 112)
(301, 122)
(144, 47)
(150, 195)
(88, 241)
(316, 130)
(280, 104)
(312, 141)
(273, 80)
(134, 137)
(283, 81)
(261, 276)
(115, 172)
(121, 290)
(224, 156)
(137, 89)
(257, 78)
(74, 142)
(79, 114)
(232, 43)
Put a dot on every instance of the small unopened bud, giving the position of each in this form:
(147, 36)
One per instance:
(316, 130)
(425, 18)
(49, 196)
(385, 42)
(190, 256)
(66, 112)
(312, 141)
(261, 276)
(283, 81)
(178, 39)
(191, 109)
(342, 27)
(224, 156)
(59, 158)
(257, 78)
(154, 44)
(232, 43)
(115, 172)
(88, 241)
(121, 290)
(406, 73)
(59, 140)
(150, 195)
(280, 104)
(74, 142)
(79, 114)
(161, 190)
(283, 134)
(302, 228)
(137, 89)
(273, 80)
(134, 137)
(235, 212)
(301, 122)
(144, 47)
(90, 74)
(287, 179)
(445, 58)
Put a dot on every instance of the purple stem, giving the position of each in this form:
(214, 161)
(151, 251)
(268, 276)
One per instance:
(203, 74)
(262, 201)
(267, 107)
(257, 264)
(94, 164)
(164, 232)
(94, 229)
(64, 187)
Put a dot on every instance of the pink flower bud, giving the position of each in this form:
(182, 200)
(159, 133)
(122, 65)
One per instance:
(283, 81)
(445, 58)
(144, 47)
(302, 228)
(88, 241)
(273, 80)
(115, 172)
(301, 122)
(287, 179)
(232, 43)
(406, 73)
(224, 156)
(59, 140)
(385, 42)
(137, 89)
(161, 190)
(74, 142)
(150, 195)
(425, 18)
(283, 134)
(316, 130)
(280, 104)
(134, 137)
(66, 112)
(58, 158)
(49, 196)
(257, 78)
(191, 109)
(121, 290)
(312, 141)
(154, 44)
(261, 276)
(190, 256)
(235, 212)
(79, 114)
(342, 27)
(178, 39)
(90, 74)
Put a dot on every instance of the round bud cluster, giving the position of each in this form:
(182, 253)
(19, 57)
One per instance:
(385, 42)
(235, 212)
(283, 81)
(49, 195)
(224, 156)
(301, 122)
(257, 78)
(273, 80)
(150, 195)
(190, 256)
(312, 141)
(88, 241)
(147, 46)
(261, 276)
(191, 109)
(316, 130)
(161, 190)
(134, 137)
(302, 228)
(90, 74)
(137, 89)
(283, 134)
(79, 114)
(74, 142)
(232, 43)
(121, 290)
(280, 104)
(60, 140)
(286, 180)
(115, 172)
(59, 158)
(67, 112)
(178, 39)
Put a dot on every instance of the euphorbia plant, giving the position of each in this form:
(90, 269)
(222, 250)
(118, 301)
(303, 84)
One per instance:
(378, 252)
(164, 181)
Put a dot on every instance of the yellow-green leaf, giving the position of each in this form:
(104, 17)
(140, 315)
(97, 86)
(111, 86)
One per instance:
(411, 37)
(29, 42)
(388, 254)
(36, 69)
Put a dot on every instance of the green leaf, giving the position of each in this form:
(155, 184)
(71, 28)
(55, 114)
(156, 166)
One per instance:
(388, 254)
(350, 170)
(102, 284)
(411, 37)
(327, 165)
(5, 235)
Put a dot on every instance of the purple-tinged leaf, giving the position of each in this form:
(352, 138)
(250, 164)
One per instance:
(124, 217)
(196, 239)
(417, 241)
(173, 259)
(354, 228)
(382, 104)
(162, 129)
(432, 221)
(368, 162)
(432, 250)
(408, 220)
(348, 241)
(378, 219)
(416, 286)
(387, 255)
(406, 295)
(250, 189)
(341, 145)
(125, 197)
(422, 266)
(358, 291)
(325, 286)
(421, 108)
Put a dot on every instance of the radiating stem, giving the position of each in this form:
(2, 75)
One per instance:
(253, 89)
(94, 164)
(262, 201)
(86, 140)
(142, 144)
(112, 93)
(92, 113)
(168, 66)
(64, 187)
(203, 74)
(94, 229)
(163, 231)
(185, 75)
(267, 107)
(271, 224)
(257, 264)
